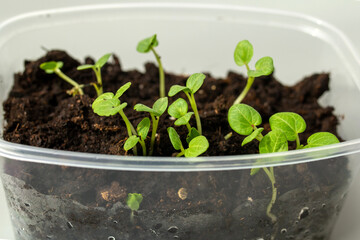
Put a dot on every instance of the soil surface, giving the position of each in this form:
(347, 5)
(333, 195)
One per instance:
(58, 202)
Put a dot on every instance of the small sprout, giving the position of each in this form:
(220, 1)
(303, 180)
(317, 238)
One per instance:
(142, 130)
(252, 136)
(321, 139)
(158, 108)
(274, 141)
(131, 142)
(54, 67)
(133, 201)
(149, 44)
(179, 110)
(192, 134)
(193, 84)
(197, 145)
(243, 118)
(108, 104)
(242, 56)
(291, 124)
(97, 70)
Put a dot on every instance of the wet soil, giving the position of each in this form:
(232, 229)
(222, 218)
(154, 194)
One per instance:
(59, 202)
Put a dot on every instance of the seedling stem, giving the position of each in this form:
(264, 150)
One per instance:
(192, 101)
(155, 122)
(271, 176)
(129, 127)
(161, 73)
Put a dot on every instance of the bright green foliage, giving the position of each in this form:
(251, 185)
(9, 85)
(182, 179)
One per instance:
(242, 56)
(197, 146)
(254, 171)
(131, 142)
(134, 200)
(145, 45)
(193, 133)
(158, 108)
(143, 128)
(252, 136)
(291, 124)
(274, 141)
(243, 52)
(321, 139)
(97, 70)
(54, 67)
(243, 119)
(179, 110)
(263, 67)
(193, 84)
(149, 44)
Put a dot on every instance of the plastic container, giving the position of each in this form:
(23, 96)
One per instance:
(194, 37)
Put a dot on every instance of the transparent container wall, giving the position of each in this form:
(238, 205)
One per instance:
(57, 202)
(193, 38)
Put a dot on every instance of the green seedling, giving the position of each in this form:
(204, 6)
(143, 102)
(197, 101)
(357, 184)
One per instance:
(149, 44)
(54, 67)
(108, 104)
(197, 146)
(158, 108)
(285, 127)
(142, 130)
(97, 70)
(263, 67)
(193, 84)
(133, 201)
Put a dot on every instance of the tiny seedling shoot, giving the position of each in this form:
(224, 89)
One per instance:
(54, 67)
(193, 84)
(197, 146)
(108, 104)
(97, 70)
(142, 131)
(158, 108)
(263, 67)
(133, 201)
(285, 126)
(149, 44)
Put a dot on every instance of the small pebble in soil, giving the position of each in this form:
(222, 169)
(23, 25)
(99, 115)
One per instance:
(173, 229)
(172, 118)
(111, 238)
(69, 225)
(182, 193)
(213, 87)
(304, 212)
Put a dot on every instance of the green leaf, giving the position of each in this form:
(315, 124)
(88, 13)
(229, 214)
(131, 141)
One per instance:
(146, 44)
(142, 108)
(184, 119)
(160, 106)
(321, 139)
(134, 200)
(243, 118)
(108, 107)
(197, 146)
(122, 89)
(143, 128)
(192, 134)
(178, 108)
(50, 67)
(86, 66)
(289, 123)
(195, 81)
(174, 138)
(264, 66)
(176, 89)
(274, 141)
(243, 53)
(254, 171)
(252, 136)
(102, 97)
(131, 142)
(101, 62)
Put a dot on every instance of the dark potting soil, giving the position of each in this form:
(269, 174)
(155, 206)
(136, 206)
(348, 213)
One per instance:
(90, 203)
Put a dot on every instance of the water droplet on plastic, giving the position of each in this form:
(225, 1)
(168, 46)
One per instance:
(69, 225)
(173, 229)
(111, 238)
(27, 204)
(304, 212)
(283, 231)
(116, 222)
(176, 237)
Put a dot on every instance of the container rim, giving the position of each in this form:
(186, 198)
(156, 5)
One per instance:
(26, 153)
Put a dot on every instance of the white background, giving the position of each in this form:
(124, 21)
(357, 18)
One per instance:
(344, 14)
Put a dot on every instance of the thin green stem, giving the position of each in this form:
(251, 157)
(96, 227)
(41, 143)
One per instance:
(161, 74)
(180, 154)
(143, 145)
(129, 127)
(132, 216)
(245, 91)
(271, 176)
(298, 146)
(228, 136)
(155, 122)
(192, 101)
(259, 137)
(99, 90)
(188, 127)
(69, 80)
